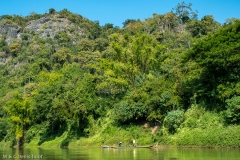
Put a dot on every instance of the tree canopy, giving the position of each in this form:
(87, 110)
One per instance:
(155, 70)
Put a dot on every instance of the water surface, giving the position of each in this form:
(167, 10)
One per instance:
(119, 154)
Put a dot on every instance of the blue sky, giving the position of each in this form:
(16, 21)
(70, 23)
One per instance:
(117, 11)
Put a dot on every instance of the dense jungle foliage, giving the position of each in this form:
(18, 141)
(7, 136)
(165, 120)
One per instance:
(170, 79)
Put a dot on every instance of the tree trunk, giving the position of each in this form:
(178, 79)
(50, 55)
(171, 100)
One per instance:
(18, 143)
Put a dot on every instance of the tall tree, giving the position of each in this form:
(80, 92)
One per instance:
(184, 12)
(218, 57)
(20, 116)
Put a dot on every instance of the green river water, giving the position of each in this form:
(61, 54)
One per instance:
(119, 154)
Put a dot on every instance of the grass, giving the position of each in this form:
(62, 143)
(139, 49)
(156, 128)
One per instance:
(204, 128)
(112, 135)
(200, 128)
(210, 137)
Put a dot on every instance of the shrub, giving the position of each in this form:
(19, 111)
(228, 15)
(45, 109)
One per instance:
(192, 116)
(173, 120)
(25, 36)
(232, 114)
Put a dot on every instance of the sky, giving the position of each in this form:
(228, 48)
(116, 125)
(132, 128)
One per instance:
(117, 11)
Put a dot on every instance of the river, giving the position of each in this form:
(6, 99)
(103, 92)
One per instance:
(119, 154)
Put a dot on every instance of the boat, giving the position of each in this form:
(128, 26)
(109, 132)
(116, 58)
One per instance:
(105, 146)
(123, 147)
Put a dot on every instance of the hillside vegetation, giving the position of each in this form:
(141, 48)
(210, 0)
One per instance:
(170, 79)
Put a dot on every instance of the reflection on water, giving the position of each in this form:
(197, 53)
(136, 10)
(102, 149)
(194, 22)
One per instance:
(118, 154)
(134, 153)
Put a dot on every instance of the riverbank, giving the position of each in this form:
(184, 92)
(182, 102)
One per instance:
(200, 128)
(216, 137)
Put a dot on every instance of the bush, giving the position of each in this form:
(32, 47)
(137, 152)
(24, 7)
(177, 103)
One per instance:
(232, 114)
(126, 112)
(192, 116)
(25, 37)
(173, 120)
(4, 126)
(212, 136)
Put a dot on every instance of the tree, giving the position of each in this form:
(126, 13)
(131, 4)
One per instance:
(129, 21)
(49, 105)
(209, 24)
(173, 120)
(14, 48)
(62, 56)
(100, 44)
(20, 116)
(217, 58)
(52, 11)
(85, 45)
(108, 26)
(184, 12)
(63, 39)
(144, 52)
(232, 114)
(231, 20)
(206, 25)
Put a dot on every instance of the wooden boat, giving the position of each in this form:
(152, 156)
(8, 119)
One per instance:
(123, 147)
(105, 146)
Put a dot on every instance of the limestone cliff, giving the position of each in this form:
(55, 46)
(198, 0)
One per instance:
(50, 25)
(45, 27)
(9, 31)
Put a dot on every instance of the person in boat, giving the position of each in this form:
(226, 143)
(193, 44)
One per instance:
(134, 142)
(120, 144)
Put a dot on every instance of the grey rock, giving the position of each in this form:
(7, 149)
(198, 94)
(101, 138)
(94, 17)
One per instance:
(11, 31)
(50, 26)
(45, 27)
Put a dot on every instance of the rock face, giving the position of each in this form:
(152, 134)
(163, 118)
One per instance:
(49, 26)
(11, 31)
(37, 24)
(45, 27)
